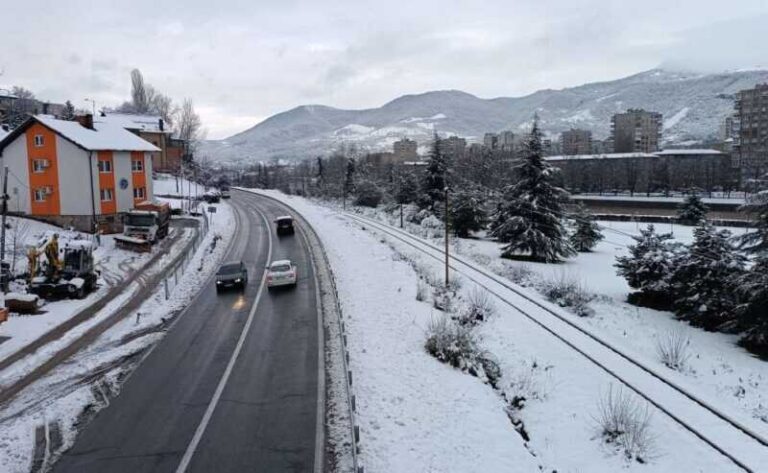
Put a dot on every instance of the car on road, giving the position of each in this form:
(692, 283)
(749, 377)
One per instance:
(284, 225)
(233, 274)
(281, 273)
(225, 193)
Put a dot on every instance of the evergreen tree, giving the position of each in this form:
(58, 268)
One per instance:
(649, 268)
(757, 241)
(435, 176)
(692, 211)
(753, 311)
(467, 213)
(704, 280)
(406, 188)
(529, 219)
(349, 177)
(368, 194)
(587, 232)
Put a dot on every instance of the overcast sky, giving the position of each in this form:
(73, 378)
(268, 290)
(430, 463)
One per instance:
(242, 61)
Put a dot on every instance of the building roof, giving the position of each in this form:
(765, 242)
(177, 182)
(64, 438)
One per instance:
(106, 138)
(578, 157)
(697, 152)
(131, 121)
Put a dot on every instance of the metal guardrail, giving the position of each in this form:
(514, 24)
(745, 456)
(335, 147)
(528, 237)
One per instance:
(171, 280)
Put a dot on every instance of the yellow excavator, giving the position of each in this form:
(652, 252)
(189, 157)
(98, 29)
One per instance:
(68, 269)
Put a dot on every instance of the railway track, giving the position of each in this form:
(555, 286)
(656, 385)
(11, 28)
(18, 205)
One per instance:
(726, 433)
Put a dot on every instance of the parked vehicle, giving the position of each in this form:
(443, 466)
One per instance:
(225, 193)
(231, 275)
(67, 271)
(284, 225)
(212, 197)
(281, 273)
(144, 225)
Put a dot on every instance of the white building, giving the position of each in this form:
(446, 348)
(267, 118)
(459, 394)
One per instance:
(74, 175)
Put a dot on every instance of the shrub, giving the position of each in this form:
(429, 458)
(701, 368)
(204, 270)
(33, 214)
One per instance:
(672, 349)
(452, 343)
(568, 292)
(368, 194)
(518, 274)
(625, 424)
(421, 290)
(479, 307)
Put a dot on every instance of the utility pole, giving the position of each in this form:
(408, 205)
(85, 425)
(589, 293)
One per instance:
(446, 238)
(5, 273)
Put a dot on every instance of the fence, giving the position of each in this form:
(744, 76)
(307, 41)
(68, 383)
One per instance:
(179, 265)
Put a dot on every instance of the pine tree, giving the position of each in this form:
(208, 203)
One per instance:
(704, 280)
(529, 219)
(692, 211)
(587, 232)
(368, 194)
(406, 188)
(467, 213)
(349, 177)
(649, 267)
(753, 311)
(757, 241)
(69, 111)
(435, 176)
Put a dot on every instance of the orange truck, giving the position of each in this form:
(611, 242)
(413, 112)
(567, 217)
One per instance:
(144, 225)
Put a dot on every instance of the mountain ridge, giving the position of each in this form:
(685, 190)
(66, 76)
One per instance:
(693, 105)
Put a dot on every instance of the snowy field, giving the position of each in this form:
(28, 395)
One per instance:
(114, 265)
(167, 184)
(419, 415)
(718, 369)
(92, 376)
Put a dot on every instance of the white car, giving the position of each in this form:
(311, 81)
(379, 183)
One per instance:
(281, 273)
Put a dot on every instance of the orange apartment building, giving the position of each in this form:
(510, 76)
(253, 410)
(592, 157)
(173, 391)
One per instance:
(153, 129)
(74, 175)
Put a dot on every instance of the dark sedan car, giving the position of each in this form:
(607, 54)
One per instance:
(232, 275)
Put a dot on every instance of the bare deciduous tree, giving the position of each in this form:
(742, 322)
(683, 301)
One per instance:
(188, 124)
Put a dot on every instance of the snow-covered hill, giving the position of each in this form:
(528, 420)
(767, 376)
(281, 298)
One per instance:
(693, 105)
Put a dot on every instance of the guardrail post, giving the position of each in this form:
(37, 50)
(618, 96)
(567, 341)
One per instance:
(167, 293)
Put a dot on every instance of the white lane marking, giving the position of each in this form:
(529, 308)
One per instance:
(187, 458)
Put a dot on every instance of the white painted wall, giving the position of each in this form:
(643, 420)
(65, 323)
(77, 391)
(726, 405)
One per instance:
(74, 178)
(148, 174)
(15, 157)
(122, 168)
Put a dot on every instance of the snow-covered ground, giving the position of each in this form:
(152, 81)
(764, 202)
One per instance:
(113, 263)
(718, 369)
(169, 185)
(61, 396)
(419, 415)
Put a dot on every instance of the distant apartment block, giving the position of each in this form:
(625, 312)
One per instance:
(636, 131)
(454, 147)
(491, 140)
(405, 150)
(751, 131)
(575, 141)
(506, 141)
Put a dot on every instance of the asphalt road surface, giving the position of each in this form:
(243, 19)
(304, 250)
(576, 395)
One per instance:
(233, 386)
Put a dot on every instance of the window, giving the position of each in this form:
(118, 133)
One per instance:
(139, 193)
(39, 141)
(105, 166)
(41, 195)
(39, 165)
(137, 165)
(106, 195)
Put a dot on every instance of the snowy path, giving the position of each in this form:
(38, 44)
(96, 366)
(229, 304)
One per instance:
(733, 435)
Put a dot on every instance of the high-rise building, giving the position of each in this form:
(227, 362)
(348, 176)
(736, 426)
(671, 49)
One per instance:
(453, 147)
(506, 141)
(406, 150)
(751, 131)
(575, 141)
(636, 131)
(491, 140)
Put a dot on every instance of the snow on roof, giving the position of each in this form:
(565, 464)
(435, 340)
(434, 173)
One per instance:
(281, 262)
(668, 152)
(130, 121)
(577, 157)
(106, 137)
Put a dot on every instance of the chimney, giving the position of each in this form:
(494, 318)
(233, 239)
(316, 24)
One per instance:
(161, 124)
(85, 120)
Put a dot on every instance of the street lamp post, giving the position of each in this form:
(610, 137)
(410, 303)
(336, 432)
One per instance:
(93, 105)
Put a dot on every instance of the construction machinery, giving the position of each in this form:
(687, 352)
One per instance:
(67, 269)
(143, 226)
